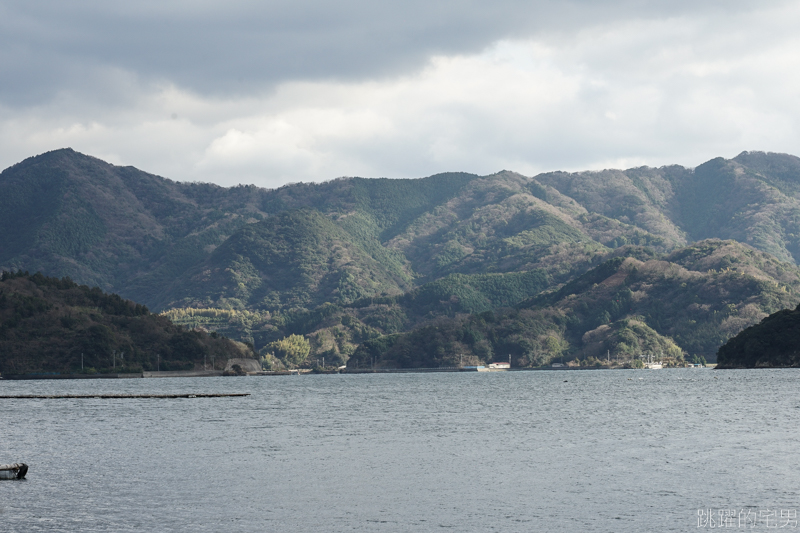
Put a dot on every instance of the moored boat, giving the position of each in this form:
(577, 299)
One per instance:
(13, 471)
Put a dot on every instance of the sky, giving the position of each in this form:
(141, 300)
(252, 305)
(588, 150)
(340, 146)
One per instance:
(274, 92)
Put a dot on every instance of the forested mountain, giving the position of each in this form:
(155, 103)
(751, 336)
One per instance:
(694, 300)
(139, 235)
(355, 260)
(770, 343)
(55, 325)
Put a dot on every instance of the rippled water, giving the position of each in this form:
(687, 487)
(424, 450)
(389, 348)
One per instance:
(508, 451)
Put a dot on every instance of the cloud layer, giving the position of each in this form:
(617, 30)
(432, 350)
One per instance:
(312, 91)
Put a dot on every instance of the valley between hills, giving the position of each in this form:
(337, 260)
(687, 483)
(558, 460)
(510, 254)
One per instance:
(401, 273)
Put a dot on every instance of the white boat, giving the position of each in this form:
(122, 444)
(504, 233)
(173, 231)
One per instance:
(651, 362)
(13, 471)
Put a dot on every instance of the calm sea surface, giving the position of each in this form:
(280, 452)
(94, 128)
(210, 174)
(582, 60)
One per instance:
(568, 451)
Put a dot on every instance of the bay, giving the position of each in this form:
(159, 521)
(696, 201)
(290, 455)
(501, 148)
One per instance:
(507, 451)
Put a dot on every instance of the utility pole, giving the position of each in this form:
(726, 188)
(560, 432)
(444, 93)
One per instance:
(509, 359)
(81, 361)
(323, 363)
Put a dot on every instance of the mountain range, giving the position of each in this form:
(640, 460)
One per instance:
(558, 265)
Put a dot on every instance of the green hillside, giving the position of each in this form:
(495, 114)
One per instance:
(773, 342)
(66, 213)
(53, 325)
(297, 259)
(620, 309)
(753, 198)
(335, 330)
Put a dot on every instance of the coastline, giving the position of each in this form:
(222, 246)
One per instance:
(220, 373)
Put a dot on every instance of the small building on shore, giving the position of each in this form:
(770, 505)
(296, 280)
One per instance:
(499, 365)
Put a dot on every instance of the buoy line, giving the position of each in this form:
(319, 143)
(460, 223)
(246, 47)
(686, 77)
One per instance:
(115, 396)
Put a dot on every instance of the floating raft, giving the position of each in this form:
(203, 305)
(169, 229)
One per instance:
(13, 471)
(115, 396)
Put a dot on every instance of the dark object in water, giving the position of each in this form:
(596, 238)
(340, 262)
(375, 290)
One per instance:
(13, 471)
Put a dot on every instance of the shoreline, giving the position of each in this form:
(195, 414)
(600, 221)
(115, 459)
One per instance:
(220, 373)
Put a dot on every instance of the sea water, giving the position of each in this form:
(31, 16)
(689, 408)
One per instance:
(615, 451)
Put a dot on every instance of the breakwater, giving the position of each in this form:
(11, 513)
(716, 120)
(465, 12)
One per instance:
(119, 396)
(122, 375)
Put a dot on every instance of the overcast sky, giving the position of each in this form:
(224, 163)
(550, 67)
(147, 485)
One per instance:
(270, 92)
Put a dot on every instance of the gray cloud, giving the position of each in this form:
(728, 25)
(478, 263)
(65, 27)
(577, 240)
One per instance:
(245, 93)
(236, 48)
